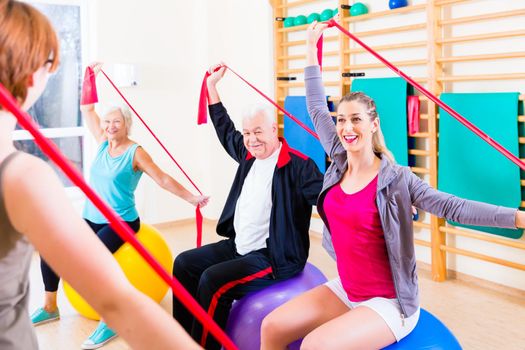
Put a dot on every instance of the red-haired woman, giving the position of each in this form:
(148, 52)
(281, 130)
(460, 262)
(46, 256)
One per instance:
(34, 211)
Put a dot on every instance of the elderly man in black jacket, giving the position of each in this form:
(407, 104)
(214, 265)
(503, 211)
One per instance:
(266, 219)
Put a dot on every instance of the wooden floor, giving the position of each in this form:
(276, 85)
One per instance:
(480, 318)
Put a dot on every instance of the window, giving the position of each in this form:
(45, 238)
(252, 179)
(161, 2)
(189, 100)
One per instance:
(57, 111)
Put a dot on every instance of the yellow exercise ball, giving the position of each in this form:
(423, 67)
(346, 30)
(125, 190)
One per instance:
(136, 269)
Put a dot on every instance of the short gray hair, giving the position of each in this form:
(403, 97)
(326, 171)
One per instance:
(251, 112)
(124, 112)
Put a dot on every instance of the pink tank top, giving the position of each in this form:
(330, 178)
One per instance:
(359, 243)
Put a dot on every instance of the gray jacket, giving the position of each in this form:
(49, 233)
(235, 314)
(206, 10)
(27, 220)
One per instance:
(397, 190)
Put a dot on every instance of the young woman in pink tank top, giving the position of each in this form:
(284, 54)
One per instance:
(366, 206)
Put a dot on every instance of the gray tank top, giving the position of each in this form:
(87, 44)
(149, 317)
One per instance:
(16, 330)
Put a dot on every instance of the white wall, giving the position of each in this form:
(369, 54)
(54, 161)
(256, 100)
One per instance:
(240, 33)
(173, 42)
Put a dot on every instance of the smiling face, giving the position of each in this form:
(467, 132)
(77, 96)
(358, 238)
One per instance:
(260, 135)
(114, 126)
(355, 127)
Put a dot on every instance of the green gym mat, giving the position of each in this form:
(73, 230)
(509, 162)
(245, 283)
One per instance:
(470, 168)
(390, 95)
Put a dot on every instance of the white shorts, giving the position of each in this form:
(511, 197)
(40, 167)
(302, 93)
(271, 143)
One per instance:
(388, 309)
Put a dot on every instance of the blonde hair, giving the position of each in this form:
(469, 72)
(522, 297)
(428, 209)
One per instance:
(27, 42)
(378, 140)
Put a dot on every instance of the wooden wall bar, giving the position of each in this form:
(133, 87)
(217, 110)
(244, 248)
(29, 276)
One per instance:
(438, 41)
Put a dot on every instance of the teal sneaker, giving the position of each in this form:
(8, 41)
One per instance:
(41, 316)
(99, 337)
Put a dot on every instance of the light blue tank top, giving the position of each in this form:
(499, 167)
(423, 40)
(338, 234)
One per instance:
(113, 179)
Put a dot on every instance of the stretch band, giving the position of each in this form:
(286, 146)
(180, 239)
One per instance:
(203, 102)
(444, 106)
(198, 215)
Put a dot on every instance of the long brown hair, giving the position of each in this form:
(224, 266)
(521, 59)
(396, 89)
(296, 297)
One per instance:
(27, 42)
(378, 140)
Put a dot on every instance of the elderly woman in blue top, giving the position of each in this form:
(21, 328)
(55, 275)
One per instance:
(115, 173)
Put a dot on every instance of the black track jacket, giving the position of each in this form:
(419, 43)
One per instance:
(296, 185)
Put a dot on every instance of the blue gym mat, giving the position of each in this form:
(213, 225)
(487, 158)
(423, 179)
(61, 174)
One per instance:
(469, 167)
(299, 138)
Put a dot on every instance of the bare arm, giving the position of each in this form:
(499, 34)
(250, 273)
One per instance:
(93, 122)
(142, 161)
(39, 208)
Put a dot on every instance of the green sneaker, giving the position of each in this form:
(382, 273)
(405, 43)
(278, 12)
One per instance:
(99, 337)
(41, 316)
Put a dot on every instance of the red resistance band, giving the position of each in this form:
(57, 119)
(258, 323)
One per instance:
(203, 102)
(123, 230)
(444, 106)
(198, 215)
(413, 114)
(320, 51)
(89, 88)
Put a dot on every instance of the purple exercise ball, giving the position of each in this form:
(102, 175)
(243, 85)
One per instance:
(244, 323)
